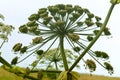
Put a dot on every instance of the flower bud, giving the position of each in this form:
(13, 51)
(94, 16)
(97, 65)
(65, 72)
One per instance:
(47, 18)
(68, 5)
(23, 29)
(36, 32)
(45, 14)
(22, 50)
(60, 6)
(99, 24)
(76, 15)
(37, 40)
(106, 31)
(69, 9)
(60, 23)
(91, 65)
(76, 49)
(97, 53)
(80, 23)
(56, 18)
(33, 28)
(96, 32)
(97, 18)
(76, 7)
(90, 15)
(33, 17)
(74, 37)
(89, 22)
(86, 10)
(89, 38)
(53, 10)
(17, 47)
(101, 54)
(40, 52)
(42, 10)
(62, 12)
(34, 63)
(109, 67)
(14, 61)
(32, 23)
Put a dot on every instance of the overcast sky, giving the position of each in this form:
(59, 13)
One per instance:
(16, 13)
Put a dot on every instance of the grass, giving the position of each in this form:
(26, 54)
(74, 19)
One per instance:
(5, 75)
(97, 77)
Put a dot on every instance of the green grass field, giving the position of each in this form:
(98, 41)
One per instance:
(5, 75)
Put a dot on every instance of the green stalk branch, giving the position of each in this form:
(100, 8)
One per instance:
(56, 66)
(63, 53)
(95, 39)
(4, 62)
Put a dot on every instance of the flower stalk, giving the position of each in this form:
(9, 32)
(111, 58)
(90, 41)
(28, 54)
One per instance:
(63, 52)
(95, 39)
(4, 62)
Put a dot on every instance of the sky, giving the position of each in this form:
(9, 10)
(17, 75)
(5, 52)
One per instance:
(16, 13)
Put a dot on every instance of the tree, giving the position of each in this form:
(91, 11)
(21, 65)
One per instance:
(74, 24)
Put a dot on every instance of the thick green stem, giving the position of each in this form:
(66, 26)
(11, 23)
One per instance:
(63, 52)
(95, 39)
(4, 62)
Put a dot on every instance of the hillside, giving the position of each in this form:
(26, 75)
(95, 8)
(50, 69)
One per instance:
(4, 75)
(97, 77)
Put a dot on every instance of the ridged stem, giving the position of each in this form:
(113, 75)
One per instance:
(63, 52)
(95, 39)
(4, 62)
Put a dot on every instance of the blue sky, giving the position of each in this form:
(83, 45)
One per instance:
(16, 13)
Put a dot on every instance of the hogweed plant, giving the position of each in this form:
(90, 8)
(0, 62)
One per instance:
(5, 32)
(62, 26)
